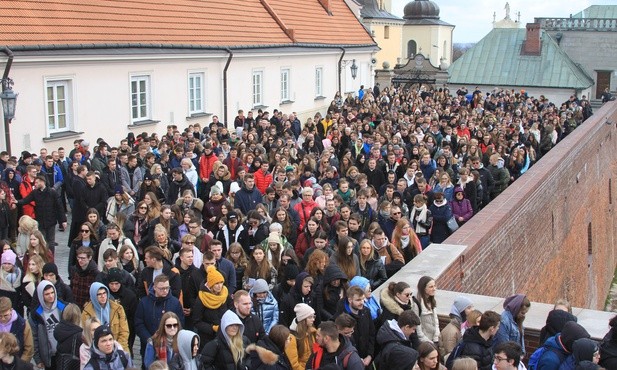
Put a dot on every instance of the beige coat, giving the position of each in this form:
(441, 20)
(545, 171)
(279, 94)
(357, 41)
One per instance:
(117, 321)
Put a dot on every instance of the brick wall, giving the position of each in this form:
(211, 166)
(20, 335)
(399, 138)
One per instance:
(536, 237)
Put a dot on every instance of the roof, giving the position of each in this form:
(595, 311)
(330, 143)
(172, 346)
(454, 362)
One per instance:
(228, 23)
(370, 10)
(427, 22)
(497, 60)
(598, 11)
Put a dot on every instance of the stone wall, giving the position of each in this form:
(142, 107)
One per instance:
(552, 233)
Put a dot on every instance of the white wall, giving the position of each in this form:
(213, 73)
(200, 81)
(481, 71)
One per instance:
(101, 89)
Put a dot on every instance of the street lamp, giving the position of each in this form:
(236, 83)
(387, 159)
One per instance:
(354, 69)
(9, 100)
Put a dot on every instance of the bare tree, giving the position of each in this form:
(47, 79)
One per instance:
(459, 50)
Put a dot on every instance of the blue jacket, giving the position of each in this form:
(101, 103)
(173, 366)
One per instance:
(267, 311)
(150, 355)
(226, 267)
(550, 360)
(58, 178)
(246, 200)
(429, 169)
(508, 331)
(149, 312)
(441, 215)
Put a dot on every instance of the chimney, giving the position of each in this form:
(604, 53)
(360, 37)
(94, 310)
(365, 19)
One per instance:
(532, 44)
(326, 6)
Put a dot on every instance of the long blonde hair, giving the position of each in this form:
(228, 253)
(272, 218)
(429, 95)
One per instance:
(236, 345)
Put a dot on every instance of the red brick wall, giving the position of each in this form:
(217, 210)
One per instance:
(533, 238)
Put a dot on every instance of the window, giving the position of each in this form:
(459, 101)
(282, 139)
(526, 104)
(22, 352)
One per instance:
(140, 98)
(258, 88)
(196, 92)
(386, 32)
(411, 48)
(285, 84)
(59, 106)
(319, 81)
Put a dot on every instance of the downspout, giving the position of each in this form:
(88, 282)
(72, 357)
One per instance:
(340, 70)
(5, 86)
(231, 55)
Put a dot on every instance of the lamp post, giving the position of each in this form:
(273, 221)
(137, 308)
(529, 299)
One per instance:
(9, 98)
(354, 69)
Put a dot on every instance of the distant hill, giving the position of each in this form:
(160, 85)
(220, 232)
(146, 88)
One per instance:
(459, 49)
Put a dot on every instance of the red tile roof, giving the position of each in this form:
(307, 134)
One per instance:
(180, 22)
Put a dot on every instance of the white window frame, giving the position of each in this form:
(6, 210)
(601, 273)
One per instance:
(318, 81)
(196, 95)
(257, 82)
(67, 104)
(148, 98)
(285, 84)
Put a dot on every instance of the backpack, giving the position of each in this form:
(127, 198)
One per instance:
(456, 352)
(536, 356)
(95, 363)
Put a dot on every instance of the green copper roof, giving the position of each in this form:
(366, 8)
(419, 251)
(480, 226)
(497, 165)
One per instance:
(497, 60)
(598, 11)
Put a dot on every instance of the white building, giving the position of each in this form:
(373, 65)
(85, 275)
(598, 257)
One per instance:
(103, 70)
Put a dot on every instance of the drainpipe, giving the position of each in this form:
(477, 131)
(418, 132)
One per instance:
(225, 85)
(5, 85)
(340, 69)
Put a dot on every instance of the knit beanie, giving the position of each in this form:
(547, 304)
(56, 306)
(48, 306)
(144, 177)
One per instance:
(260, 286)
(49, 268)
(100, 332)
(8, 256)
(274, 237)
(213, 276)
(459, 305)
(291, 271)
(303, 311)
(114, 275)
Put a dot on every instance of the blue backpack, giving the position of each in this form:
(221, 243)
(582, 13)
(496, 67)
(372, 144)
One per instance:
(535, 358)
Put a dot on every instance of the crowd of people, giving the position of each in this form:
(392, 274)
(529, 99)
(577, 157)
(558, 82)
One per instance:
(258, 245)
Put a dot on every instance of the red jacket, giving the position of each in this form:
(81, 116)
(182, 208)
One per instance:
(24, 189)
(304, 209)
(262, 180)
(206, 164)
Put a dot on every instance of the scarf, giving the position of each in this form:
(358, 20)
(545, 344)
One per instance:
(421, 217)
(102, 313)
(404, 241)
(161, 351)
(211, 300)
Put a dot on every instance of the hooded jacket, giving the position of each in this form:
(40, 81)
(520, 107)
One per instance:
(112, 314)
(396, 350)
(20, 327)
(69, 337)
(508, 328)
(177, 187)
(42, 331)
(331, 294)
(186, 360)
(217, 353)
(555, 321)
(583, 349)
(265, 355)
(291, 299)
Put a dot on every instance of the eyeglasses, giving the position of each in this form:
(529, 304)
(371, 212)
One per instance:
(396, 213)
(406, 294)
(85, 231)
(171, 326)
(499, 359)
(144, 207)
(188, 243)
(82, 258)
(101, 294)
(163, 288)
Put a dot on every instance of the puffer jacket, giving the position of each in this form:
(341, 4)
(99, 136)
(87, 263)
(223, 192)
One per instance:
(298, 361)
(267, 311)
(477, 348)
(429, 322)
(118, 322)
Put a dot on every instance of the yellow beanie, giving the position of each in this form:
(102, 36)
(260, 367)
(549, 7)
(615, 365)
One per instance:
(213, 276)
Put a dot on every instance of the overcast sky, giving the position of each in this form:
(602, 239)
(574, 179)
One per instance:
(473, 18)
